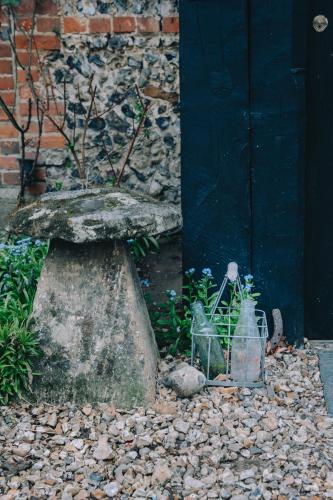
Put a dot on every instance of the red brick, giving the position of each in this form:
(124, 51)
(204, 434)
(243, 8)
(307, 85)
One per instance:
(8, 97)
(5, 67)
(52, 141)
(7, 131)
(125, 24)
(25, 58)
(25, 23)
(48, 126)
(48, 24)
(6, 82)
(26, 7)
(24, 108)
(9, 147)
(75, 25)
(99, 25)
(42, 42)
(47, 7)
(21, 41)
(148, 24)
(170, 24)
(33, 129)
(47, 42)
(5, 50)
(22, 75)
(11, 178)
(37, 188)
(8, 163)
(3, 116)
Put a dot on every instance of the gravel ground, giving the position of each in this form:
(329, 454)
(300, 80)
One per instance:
(272, 443)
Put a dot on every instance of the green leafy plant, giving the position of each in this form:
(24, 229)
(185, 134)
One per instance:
(222, 320)
(169, 323)
(172, 319)
(21, 261)
(58, 185)
(140, 246)
(18, 348)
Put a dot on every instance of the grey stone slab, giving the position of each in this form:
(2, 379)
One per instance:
(326, 373)
(95, 215)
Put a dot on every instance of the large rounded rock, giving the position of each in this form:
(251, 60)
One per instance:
(186, 380)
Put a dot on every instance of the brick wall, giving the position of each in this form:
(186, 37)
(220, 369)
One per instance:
(54, 22)
(46, 40)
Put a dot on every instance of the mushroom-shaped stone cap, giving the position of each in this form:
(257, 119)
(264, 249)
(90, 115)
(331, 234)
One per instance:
(95, 215)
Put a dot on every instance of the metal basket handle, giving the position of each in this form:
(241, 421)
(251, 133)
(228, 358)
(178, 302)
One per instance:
(232, 276)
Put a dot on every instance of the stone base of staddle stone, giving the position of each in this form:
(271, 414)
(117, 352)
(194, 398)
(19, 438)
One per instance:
(94, 327)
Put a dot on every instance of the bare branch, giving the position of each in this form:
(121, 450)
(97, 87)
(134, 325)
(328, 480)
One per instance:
(86, 123)
(27, 126)
(133, 141)
(108, 156)
(68, 142)
(10, 115)
(139, 95)
(74, 128)
(65, 104)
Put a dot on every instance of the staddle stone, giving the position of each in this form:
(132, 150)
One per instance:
(95, 215)
(94, 327)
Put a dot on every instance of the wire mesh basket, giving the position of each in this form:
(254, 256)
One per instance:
(243, 367)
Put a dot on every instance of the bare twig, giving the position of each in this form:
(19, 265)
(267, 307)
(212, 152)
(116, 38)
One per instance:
(68, 142)
(27, 126)
(9, 114)
(108, 156)
(74, 128)
(65, 104)
(133, 141)
(139, 96)
(92, 93)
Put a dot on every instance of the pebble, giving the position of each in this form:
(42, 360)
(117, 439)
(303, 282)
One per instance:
(161, 474)
(103, 450)
(112, 489)
(181, 426)
(190, 483)
(240, 444)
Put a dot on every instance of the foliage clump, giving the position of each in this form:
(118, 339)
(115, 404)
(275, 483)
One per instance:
(21, 261)
(172, 319)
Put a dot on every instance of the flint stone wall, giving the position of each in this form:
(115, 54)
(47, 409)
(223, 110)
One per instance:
(124, 42)
(119, 61)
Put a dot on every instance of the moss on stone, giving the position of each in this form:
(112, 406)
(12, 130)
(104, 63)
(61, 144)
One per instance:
(83, 216)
